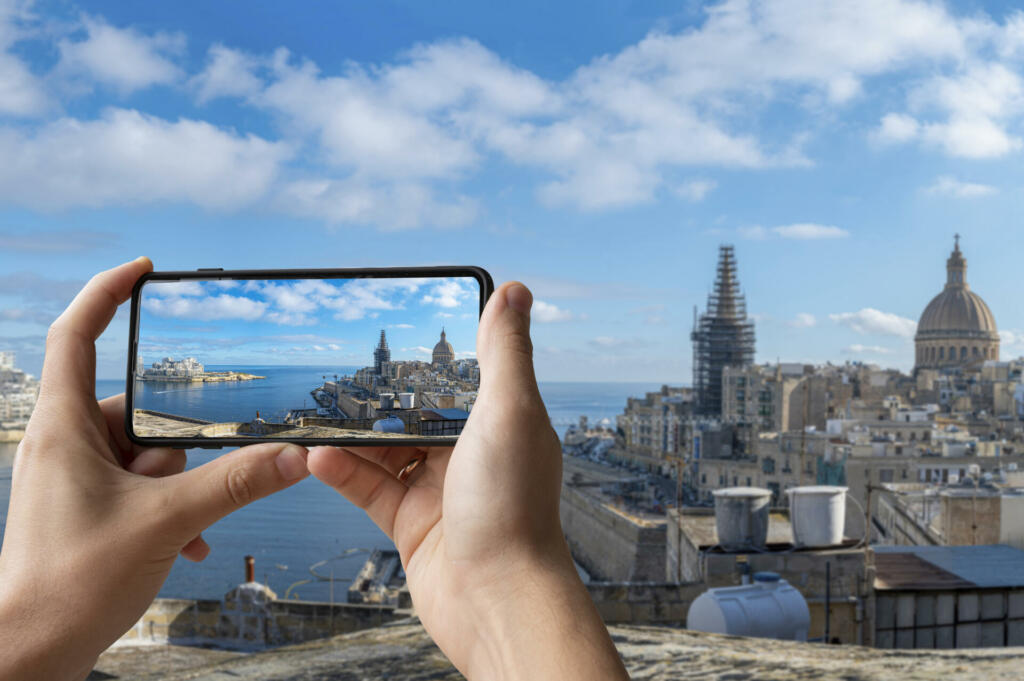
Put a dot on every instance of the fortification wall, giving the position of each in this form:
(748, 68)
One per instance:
(607, 543)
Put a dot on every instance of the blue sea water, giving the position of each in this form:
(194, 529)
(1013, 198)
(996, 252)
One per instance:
(308, 522)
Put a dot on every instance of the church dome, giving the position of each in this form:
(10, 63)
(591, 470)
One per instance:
(958, 311)
(443, 351)
(956, 329)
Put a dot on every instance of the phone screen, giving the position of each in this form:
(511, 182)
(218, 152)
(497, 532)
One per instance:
(317, 358)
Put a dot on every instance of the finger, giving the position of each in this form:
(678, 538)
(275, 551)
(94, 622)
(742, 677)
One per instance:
(504, 348)
(196, 550)
(69, 367)
(158, 462)
(112, 409)
(201, 496)
(365, 484)
(391, 459)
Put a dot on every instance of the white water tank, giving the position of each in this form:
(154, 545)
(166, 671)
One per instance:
(741, 517)
(767, 608)
(817, 514)
(406, 400)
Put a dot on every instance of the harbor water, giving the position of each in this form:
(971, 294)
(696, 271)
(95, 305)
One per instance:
(308, 523)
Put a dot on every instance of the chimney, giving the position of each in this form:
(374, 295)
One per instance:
(250, 569)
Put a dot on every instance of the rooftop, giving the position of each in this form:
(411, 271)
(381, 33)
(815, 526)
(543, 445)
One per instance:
(948, 567)
(699, 526)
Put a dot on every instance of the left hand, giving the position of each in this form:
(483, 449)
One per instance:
(96, 522)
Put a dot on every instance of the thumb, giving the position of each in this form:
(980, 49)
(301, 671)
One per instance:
(504, 348)
(201, 496)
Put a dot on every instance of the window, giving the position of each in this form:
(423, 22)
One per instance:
(768, 465)
(885, 475)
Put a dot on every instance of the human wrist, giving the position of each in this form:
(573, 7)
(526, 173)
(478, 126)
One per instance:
(540, 623)
(30, 636)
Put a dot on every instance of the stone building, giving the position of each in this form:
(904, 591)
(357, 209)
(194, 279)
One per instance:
(723, 336)
(444, 353)
(656, 428)
(956, 328)
(381, 356)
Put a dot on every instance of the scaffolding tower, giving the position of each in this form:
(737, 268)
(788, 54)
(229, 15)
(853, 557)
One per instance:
(722, 336)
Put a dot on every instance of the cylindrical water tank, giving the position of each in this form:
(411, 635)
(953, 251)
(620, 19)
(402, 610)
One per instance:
(406, 400)
(817, 514)
(389, 425)
(741, 517)
(387, 400)
(767, 608)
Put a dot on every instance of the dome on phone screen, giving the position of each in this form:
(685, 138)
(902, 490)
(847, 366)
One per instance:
(444, 353)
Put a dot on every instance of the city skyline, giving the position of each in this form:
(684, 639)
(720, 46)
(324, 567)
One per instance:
(305, 321)
(600, 156)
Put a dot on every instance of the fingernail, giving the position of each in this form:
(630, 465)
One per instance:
(291, 461)
(519, 298)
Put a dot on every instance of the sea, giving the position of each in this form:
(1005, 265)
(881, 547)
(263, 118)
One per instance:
(308, 541)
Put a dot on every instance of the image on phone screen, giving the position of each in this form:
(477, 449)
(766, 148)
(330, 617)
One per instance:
(325, 358)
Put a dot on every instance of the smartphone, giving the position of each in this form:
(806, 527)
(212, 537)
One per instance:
(343, 357)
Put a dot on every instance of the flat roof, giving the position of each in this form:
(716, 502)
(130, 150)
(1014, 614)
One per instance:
(948, 567)
(450, 414)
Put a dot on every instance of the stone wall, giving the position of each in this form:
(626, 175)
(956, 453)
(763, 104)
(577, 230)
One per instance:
(658, 603)
(608, 543)
(246, 619)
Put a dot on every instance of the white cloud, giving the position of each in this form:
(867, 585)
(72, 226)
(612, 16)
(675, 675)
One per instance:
(803, 320)
(753, 232)
(897, 128)
(608, 342)
(807, 230)
(871, 321)
(121, 58)
(695, 190)
(127, 157)
(206, 309)
(391, 144)
(858, 349)
(546, 312)
(401, 326)
(449, 293)
(228, 73)
(390, 206)
(971, 110)
(802, 231)
(168, 289)
(950, 186)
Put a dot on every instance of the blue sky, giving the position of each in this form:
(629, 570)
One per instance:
(599, 152)
(306, 321)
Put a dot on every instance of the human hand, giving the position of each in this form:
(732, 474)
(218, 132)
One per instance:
(477, 526)
(95, 522)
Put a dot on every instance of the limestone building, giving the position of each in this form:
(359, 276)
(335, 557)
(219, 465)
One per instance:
(722, 336)
(381, 356)
(956, 329)
(444, 353)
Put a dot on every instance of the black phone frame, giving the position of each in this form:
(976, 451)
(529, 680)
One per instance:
(210, 274)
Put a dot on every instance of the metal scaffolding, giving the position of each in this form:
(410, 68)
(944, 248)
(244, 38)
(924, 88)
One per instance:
(722, 336)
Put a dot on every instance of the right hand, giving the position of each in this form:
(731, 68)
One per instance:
(478, 528)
